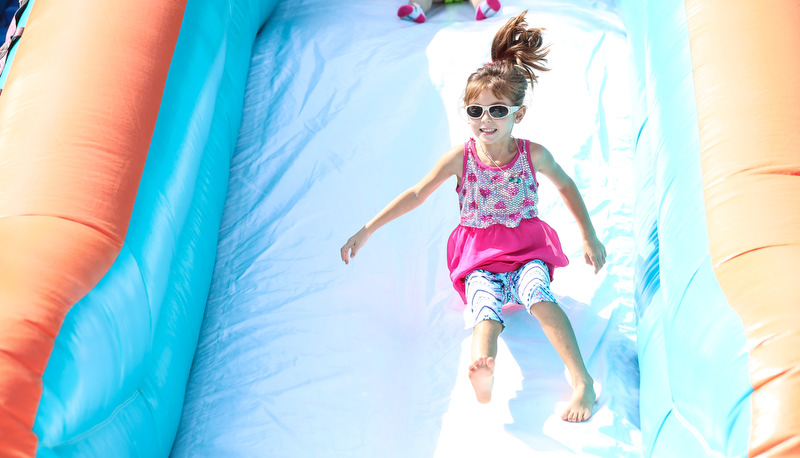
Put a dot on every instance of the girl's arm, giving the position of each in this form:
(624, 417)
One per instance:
(448, 165)
(594, 253)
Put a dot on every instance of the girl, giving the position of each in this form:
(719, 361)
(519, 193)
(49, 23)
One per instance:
(501, 252)
(415, 11)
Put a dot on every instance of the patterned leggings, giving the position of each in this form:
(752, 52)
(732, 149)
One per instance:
(488, 291)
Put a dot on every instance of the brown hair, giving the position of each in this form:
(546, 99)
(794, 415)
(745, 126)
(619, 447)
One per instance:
(516, 52)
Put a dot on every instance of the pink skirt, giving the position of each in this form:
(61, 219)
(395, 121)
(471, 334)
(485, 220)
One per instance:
(500, 249)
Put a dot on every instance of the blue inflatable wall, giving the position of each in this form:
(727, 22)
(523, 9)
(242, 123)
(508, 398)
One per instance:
(694, 378)
(144, 318)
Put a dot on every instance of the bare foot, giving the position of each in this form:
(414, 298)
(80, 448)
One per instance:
(481, 374)
(582, 403)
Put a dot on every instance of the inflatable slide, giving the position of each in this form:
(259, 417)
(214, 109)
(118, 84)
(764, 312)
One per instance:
(176, 180)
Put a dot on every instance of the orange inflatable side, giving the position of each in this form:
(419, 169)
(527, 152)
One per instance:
(747, 61)
(67, 190)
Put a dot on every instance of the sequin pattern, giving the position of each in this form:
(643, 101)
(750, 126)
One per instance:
(490, 196)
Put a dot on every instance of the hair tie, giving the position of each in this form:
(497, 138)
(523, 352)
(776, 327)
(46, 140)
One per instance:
(489, 63)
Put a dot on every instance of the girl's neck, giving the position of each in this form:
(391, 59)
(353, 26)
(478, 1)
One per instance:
(501, 151)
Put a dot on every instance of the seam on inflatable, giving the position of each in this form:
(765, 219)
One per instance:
(96, 427)
(777, 448)
(147, 298)
(106, 234)
(689, 427)
(10, 414)
(15, 358)
(787, 170)
(734, 256)
(641, 130)
(40, 327)
(657, 432)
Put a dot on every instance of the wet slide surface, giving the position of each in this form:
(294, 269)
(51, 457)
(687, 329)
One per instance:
(300, 355)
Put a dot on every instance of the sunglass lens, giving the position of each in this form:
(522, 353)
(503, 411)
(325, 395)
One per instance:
(474, 111)
(498, 111)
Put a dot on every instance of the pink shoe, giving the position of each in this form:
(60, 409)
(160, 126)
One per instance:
(487, 9)
(412, 12)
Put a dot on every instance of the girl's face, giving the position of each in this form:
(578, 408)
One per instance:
(490, 130)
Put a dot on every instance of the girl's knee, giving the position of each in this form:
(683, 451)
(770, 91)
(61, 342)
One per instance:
(541, 295)
(488, 327)
(543, 309)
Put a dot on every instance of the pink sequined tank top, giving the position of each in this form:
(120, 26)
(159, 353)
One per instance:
(492, 195)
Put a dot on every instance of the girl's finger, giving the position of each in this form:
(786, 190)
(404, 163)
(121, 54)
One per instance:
(345, 251)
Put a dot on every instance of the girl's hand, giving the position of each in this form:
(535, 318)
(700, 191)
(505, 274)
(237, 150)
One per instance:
(594, 253)
(354, 244)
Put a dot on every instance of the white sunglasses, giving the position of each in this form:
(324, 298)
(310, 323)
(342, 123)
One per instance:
(495, 111)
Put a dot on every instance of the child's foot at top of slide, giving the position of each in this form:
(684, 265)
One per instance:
(582, 402)
(486, 9)
(481, 374)
(411, 12)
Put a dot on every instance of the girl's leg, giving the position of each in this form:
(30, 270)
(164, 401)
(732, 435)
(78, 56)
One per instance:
(557, 328)
(533, 289)
(484, 351)
(425, 4)
(415, 10)
(484, 291)
(485, 8)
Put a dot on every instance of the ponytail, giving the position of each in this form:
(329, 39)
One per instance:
(518, 44)
(517, 54)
